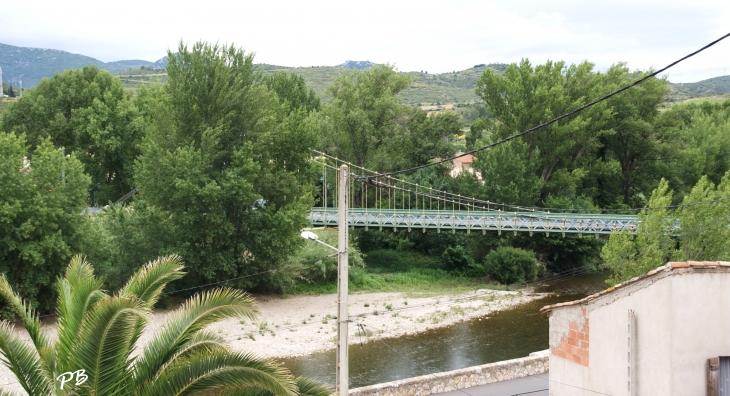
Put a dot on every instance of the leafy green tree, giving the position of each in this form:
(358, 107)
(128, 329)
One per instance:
(85, 111)
(696, 144)
(123, 236)
(98, 333)
(363, 114)
(292, 89)
(628, 256)
(704, 231)
(425, 138)
(526, 96)
(223, 160)
(634, 139)
(507, 173)
(41, 219)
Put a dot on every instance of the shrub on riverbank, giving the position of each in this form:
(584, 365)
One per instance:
(511, 265)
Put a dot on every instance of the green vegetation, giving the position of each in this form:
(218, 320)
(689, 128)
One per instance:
(703, 234)
(42, 223)
(98, 331)
(86, 112)
(510, 265)
(228, 160)
(220, 151)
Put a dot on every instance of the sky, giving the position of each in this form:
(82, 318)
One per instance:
(433, 36)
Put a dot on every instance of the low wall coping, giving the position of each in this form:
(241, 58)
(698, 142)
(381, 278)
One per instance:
(536, 363)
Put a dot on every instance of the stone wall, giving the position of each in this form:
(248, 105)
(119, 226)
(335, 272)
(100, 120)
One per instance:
(536, 363)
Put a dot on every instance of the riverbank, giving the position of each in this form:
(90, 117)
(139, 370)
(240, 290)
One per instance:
(301, 325)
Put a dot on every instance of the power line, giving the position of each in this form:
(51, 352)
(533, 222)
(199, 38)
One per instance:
(554, 120)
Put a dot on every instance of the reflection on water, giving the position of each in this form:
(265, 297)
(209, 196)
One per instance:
(504, 335)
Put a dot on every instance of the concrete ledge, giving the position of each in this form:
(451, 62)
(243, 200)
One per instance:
(536, 363)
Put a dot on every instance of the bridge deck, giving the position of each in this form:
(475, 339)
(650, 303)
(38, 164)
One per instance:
(478, 220)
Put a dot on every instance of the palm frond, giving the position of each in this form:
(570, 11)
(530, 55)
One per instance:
(106, 344)
(7, 393)
(24, 362)
(203, 341)
(148, 282)
(78, 291)
(221, 372)
(198, 312)
(305, 387)
(310, 387)
(26, 312)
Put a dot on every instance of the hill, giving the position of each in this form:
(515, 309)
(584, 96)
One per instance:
(712, 87)
(32, 64)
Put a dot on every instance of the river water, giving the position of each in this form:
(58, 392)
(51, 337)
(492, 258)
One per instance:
(508, 334)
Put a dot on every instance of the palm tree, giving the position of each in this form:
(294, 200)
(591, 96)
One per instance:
(94, 353)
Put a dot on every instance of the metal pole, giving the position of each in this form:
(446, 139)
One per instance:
(342, 380)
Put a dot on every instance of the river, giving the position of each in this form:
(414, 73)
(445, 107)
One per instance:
(508, 334)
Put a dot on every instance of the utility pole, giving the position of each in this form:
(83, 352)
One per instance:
(342, 380)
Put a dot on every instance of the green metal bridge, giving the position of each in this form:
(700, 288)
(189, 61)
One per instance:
(477, 220)
(387, 203)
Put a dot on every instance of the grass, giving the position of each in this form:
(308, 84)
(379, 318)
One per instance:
(414, 283)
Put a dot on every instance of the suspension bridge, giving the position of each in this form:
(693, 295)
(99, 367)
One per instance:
(392, 204)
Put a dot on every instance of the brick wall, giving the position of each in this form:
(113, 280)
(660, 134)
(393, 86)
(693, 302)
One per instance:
(574, 345)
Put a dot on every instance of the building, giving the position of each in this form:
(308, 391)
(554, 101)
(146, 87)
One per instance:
(464, 163)
(663, 333)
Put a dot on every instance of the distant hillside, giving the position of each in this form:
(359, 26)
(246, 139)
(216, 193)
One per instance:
(32, 64)
(717, 86)
(425, 88)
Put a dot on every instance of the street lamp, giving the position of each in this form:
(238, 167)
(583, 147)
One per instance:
(342, 375)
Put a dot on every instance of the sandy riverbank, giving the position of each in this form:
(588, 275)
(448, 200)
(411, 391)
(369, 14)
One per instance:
(301, 325)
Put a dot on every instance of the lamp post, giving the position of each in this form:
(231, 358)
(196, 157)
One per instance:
(342, 375)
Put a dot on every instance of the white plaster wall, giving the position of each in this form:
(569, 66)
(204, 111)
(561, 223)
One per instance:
(701, 328)
(682, 320)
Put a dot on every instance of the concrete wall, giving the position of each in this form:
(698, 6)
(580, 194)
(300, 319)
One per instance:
(536, 363)
(681, 321)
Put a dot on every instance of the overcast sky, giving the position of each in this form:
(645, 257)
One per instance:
(434, 36)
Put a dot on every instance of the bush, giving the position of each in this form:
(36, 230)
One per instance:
(511, 265)
(456, 258)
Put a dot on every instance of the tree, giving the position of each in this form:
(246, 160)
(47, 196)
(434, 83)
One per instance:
(98, 334)
(704, 220)
(41, 219)
(227, 162)
(426, 137)
(363, 114)
(525, 97)
(87, 112)
(507, 174)
(634, 138)
(292, 89)
(628, 256)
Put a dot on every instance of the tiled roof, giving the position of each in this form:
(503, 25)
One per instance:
(668, 267)
(467, 159)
